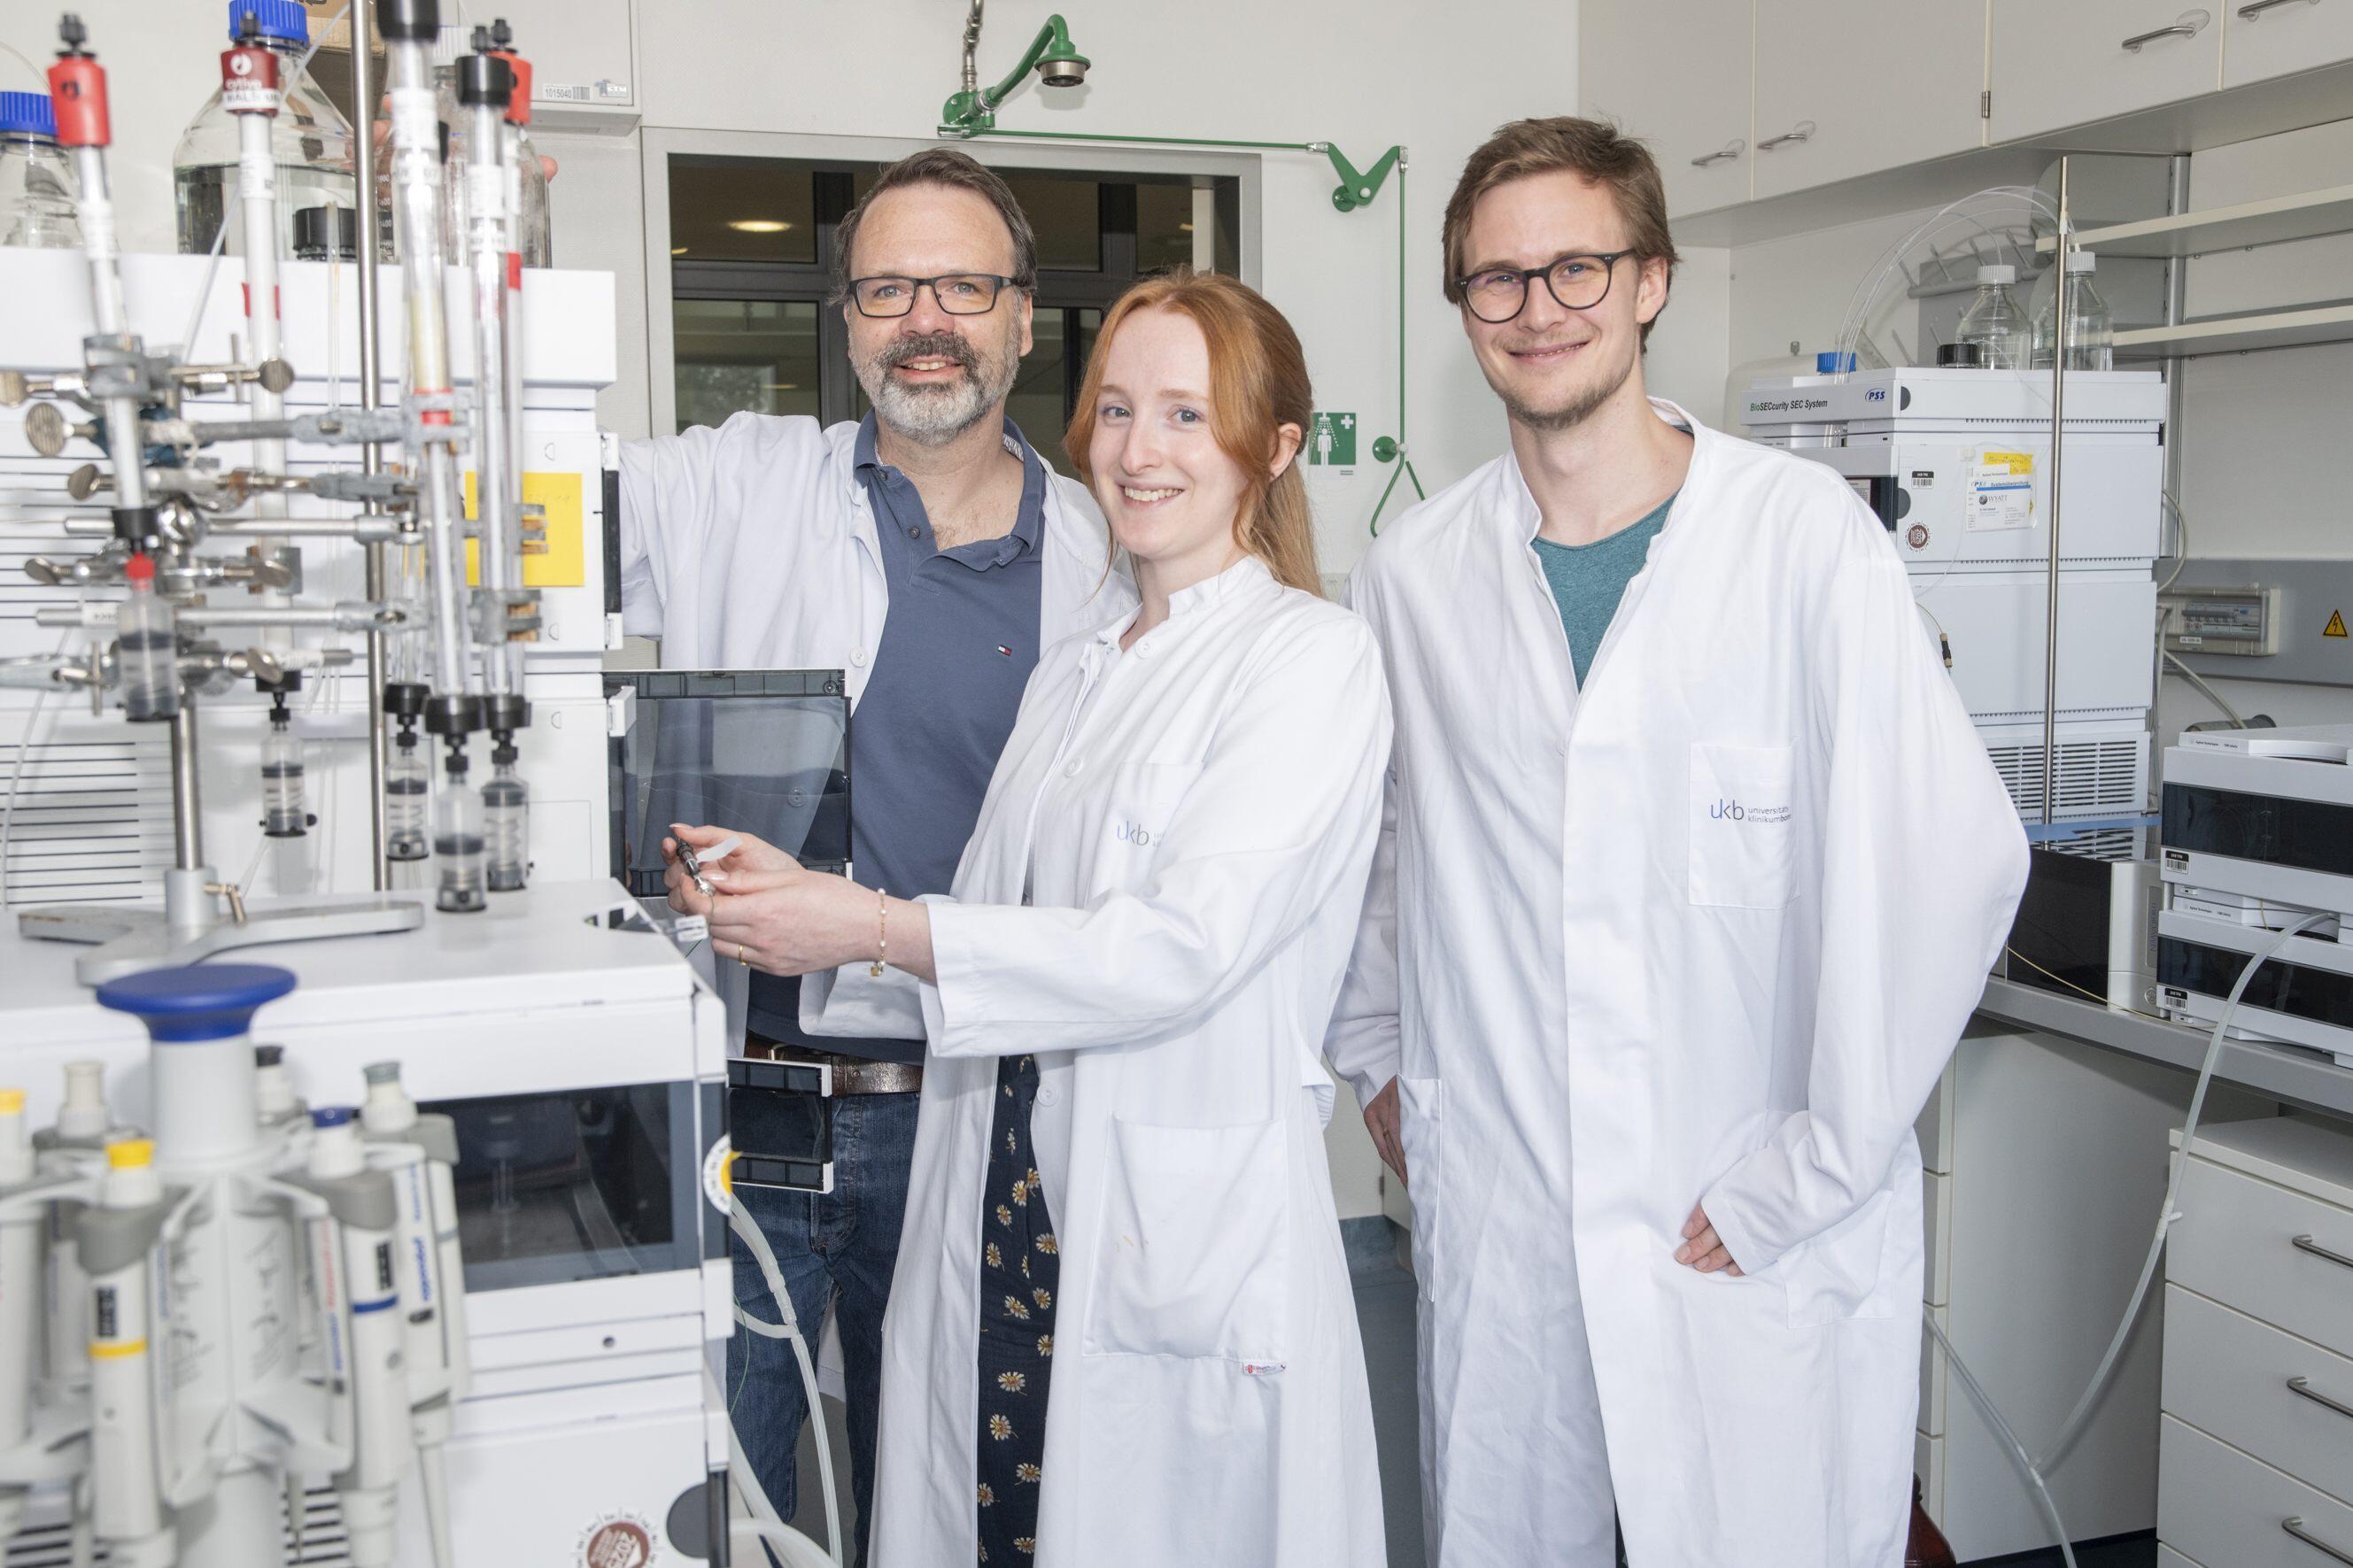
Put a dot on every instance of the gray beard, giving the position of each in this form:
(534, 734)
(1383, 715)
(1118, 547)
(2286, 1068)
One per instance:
(1568, 416)
(935, 414)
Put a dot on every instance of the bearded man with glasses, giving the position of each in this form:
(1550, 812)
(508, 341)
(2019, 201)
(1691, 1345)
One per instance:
(1693, 867)
(928, 552)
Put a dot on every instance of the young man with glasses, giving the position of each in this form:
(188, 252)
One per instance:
(1693, 870)
(929, 553)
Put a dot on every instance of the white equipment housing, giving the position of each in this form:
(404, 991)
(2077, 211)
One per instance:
(584, 1067)
(102, 787)
(1955, 464)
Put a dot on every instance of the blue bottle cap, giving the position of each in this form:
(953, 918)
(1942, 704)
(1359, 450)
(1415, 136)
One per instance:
(28, 114)
(280, 19)
(1830, 362)
(196, 1002)
(331, 1116)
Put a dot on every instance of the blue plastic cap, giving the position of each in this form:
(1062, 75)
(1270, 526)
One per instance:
(197, 1002)
(1830, 362)
(28, 114)
(331, 1116)
(280, 19)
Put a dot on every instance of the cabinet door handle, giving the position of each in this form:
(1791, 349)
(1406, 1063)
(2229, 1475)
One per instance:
(2249, 13)
(1803, 131)
(2305, 1244)
(1732, 149)
(2295, 1527)
(2190, 25)
(2301, 1388)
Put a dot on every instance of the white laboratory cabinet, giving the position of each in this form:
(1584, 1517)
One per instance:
(1676, 73)
(2053, 66)
(2256, 1447)
(2046, 1162)
(1845, 87)
(2266, 38)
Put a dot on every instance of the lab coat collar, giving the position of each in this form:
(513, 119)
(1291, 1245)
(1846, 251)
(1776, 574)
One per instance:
(1236, 585)
(1516, 505)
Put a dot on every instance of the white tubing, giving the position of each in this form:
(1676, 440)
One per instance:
(739, 1220)
(2036, 1470)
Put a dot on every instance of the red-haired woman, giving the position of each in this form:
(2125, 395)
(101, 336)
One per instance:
(1121, 1331)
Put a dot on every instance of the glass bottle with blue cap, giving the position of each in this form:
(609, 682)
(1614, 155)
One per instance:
(310, 136)
(37, 179)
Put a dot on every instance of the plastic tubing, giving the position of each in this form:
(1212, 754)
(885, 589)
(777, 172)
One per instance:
(739, 1220)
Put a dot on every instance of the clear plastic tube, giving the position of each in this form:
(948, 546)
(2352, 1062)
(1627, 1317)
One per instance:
(457, 845)
(407, 781)
(147, 647)
(285, 811)
(506, 810)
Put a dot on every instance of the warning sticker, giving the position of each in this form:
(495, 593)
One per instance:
(2001, 491)
(2335, 627)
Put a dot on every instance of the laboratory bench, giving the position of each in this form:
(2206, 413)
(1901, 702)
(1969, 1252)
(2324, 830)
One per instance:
(2045, 1148)
(2305, 1078)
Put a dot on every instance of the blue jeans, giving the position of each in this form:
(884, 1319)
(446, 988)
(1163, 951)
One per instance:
(840, 1249)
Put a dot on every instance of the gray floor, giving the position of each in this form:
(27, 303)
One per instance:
(1385, 1317)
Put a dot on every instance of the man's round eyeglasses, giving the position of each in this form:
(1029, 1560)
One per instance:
(959, 293)
(1578, 282)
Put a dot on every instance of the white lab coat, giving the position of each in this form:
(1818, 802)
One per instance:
(1704, 931)
(753, 547)
(1196, 817)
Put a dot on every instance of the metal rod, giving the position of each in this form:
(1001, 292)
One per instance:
(2177, 307)
(187, 798)
(2058, 459)
(362, 21)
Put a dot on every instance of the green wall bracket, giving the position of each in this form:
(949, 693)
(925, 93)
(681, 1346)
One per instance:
(1356, 189)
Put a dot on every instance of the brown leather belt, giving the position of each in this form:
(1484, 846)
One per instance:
(851, 1075)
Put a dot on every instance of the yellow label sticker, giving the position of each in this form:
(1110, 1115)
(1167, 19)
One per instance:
(564, 563)
(2336, 627)
(2006, 463)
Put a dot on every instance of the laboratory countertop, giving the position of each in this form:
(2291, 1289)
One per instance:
(2301, 1076)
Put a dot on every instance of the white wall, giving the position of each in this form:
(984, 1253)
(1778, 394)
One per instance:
(1364, 75)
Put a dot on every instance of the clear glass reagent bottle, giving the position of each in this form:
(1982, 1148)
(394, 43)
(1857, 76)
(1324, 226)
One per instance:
(312, 139)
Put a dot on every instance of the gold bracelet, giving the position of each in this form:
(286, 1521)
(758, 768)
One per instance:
(881, 934)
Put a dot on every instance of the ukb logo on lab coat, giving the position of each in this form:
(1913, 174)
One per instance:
(1741, 821)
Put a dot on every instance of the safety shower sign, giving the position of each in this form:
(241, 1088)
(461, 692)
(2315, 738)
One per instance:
(1333, 443)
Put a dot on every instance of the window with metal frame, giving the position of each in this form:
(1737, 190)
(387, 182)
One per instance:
(752, 261)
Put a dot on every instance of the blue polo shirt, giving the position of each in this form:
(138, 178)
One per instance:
(958, 643)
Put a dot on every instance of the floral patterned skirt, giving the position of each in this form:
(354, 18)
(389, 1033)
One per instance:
(1019, 1272)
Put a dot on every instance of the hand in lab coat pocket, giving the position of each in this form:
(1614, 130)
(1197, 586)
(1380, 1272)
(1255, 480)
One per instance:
(1195, 1255)
(1742, 822)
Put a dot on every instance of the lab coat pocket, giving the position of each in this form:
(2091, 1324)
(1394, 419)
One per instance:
(1741, 829)
(1838, 1273)
(1142, 800)
(1421, 1129)
(1195, 1255)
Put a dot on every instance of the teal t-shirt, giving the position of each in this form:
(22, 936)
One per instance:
(1588, 581)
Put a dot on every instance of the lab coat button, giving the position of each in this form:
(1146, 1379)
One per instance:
(858, 657)
(1047, 1094)
(1071, 772)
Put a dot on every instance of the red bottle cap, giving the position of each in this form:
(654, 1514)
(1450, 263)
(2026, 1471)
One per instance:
(139, 568)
